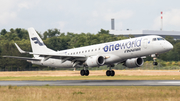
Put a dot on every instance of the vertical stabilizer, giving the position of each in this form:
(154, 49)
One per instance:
(36, 43)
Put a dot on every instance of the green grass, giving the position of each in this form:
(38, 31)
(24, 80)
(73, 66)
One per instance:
(168, 77)
(90, 93)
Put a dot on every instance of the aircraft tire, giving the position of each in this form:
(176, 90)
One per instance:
(82, 72)
(155, 63)
(112, 73)
(108, 73)
(86, 72)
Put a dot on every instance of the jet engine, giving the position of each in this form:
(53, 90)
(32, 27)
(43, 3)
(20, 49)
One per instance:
(94, 61)
(134, 62)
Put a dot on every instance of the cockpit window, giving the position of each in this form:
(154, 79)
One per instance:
(154, 39)
(160, 38)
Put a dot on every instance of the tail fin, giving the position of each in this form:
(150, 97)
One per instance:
(36, 43)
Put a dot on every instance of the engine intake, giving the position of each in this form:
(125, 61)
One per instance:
(94, 61)
(134, 62)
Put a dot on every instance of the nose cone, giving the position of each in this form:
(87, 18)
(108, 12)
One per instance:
(169, 46)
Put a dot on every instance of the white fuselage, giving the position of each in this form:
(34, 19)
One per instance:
(114, 52)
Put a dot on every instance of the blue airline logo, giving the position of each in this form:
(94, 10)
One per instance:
(36, 41)
(126, 45)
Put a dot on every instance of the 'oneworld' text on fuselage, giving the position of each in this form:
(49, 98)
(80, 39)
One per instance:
(126, 45)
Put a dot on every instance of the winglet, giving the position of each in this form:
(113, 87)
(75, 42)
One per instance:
(20, 50)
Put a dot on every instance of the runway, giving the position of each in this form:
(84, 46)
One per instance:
(93, 83)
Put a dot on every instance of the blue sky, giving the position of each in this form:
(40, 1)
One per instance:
(89, 15)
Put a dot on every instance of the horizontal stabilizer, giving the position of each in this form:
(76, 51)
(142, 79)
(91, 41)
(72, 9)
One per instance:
(23, 58)
(20, 50)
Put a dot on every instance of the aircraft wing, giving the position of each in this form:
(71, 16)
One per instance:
(58, 55)
(51, 55)
(23, 58)
(64, 57)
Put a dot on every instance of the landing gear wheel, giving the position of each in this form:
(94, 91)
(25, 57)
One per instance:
(82, 72)
(86, 72)
(112, 73)
(108, 73)
(155, 63)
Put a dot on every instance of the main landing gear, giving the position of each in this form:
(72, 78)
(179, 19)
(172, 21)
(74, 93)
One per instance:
(84, 72)
(110, 72)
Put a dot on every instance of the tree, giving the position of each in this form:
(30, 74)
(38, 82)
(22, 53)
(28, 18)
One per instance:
(102, 31)
(51, 33)
(3, 32)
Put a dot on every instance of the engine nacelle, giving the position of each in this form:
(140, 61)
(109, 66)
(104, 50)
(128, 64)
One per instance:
(134, 62)
(94, 61)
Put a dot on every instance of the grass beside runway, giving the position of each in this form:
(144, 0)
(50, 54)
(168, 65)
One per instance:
(90, 93)
(94, 75)
(118, 77)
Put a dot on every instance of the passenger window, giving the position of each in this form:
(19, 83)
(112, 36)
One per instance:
(88, 50)
(154, 39)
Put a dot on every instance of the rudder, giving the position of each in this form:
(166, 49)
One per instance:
(36, 43)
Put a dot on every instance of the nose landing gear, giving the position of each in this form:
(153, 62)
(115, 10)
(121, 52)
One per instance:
(154, 59)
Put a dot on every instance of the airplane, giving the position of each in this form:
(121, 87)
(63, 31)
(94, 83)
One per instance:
(129, 52)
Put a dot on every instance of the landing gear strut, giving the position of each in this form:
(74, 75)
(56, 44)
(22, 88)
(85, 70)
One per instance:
(154, 59)
(110, 72)
(155, 63)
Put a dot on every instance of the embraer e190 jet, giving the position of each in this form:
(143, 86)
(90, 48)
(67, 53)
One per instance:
(128, 52)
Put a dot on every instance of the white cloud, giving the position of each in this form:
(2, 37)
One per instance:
(6, 12)
(122, 14)
(7, 16)
(9, 9)
(170, 18)
(61, 24)
(23, 5)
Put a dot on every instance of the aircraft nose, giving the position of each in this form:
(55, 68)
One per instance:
(169, 46)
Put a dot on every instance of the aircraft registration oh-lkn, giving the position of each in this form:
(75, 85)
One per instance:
(128, 52)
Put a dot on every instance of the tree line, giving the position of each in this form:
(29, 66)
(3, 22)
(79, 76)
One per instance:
(56, 40)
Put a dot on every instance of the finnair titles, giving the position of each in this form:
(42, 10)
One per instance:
(129, 52)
